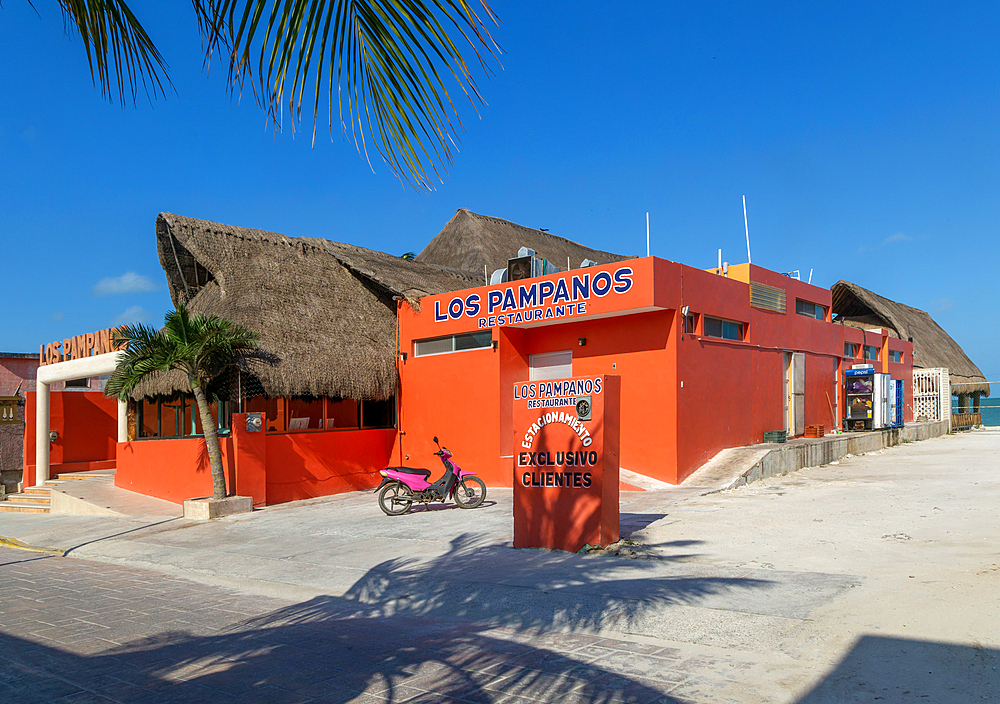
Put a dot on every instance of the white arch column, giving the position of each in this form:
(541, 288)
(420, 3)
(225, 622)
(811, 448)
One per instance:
(64, 371)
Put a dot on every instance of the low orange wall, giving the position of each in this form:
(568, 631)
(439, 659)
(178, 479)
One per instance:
(298, 465)
(306, 465)
(173, 470)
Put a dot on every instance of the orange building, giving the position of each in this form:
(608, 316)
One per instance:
(365, 357)
(707, 360)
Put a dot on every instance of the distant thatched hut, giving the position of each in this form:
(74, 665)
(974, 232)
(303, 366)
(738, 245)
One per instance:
(476, 242)
(932, 346)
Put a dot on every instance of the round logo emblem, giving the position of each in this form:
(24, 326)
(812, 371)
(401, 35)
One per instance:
(582, 408)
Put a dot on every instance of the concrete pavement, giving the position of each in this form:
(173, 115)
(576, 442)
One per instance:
(836, 583)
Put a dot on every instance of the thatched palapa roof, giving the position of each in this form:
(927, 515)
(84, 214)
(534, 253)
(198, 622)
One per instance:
(470, 241)
(932, 346)
(323, 309)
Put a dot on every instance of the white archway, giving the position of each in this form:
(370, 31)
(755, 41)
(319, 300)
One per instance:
(64, 371)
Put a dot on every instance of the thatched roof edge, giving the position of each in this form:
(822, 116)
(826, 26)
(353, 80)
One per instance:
(932, 346)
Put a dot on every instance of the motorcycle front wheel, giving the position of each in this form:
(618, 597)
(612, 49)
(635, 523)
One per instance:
(395, 499)
(470, 492)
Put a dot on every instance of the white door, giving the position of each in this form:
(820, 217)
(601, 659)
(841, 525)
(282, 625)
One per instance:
(550, 365)
(799, 391)
(786, 392)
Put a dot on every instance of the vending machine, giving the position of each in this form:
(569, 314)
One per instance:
(867, 396)
(895, 403)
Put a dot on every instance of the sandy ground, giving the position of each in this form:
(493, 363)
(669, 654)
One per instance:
(918, 525)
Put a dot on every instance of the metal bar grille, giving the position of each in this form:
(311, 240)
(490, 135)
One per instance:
(767, 297)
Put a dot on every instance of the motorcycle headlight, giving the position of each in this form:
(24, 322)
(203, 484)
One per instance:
(382, 472)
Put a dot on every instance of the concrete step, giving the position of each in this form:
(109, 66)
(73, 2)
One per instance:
(22, 507)
(30, 498)
(34, 499)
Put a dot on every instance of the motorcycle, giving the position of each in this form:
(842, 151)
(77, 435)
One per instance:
(401, 486)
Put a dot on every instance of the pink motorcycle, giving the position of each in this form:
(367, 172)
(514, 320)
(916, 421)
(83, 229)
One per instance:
(401, 486)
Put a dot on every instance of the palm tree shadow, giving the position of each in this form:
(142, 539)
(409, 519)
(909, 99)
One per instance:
(422, 630)
(540, 590)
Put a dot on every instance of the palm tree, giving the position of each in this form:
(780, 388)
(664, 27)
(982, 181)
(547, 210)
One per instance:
(388, 60)
(201, 347)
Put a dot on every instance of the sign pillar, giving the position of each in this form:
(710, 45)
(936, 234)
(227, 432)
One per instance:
(566, 442)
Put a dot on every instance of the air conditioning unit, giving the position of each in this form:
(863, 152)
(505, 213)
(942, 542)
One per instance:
(527, 266)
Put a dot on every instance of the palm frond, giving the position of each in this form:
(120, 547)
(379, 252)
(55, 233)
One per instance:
(201, 346)
(120, 54)
(390, 61)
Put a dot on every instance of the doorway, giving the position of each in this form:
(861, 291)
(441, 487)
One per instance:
(794, 387)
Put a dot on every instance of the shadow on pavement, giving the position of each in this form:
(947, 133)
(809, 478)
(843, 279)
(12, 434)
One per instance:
(407, 630)
(314, 652)
(541, 589)
(889, 670)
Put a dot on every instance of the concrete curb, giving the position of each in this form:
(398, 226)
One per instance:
(786, 459)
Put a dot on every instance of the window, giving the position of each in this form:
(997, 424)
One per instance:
(453, 343)
(690, 323)
(78, 384)
(725, 329)
(850, 349)
(810, 310)
(178, 417)
(378, 414)
(895, 356)
(550, 365)
(871, 353)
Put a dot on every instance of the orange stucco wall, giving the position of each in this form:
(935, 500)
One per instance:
(87, 425)
(306, 465)
(296, 465)
(173, 470)
(683, 397)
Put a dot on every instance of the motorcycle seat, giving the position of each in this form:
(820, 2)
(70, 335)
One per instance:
(411, 470)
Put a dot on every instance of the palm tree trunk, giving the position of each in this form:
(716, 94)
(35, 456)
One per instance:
(211, 439)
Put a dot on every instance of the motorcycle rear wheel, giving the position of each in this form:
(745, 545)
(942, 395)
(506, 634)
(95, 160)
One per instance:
(470, 492)
(395, 499)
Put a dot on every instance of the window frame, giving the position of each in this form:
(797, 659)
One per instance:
(816, 308)
(741, 328)
(691, 324)
(864, 353)
(454, 343)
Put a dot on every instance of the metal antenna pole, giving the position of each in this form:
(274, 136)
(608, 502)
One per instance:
(747, 227)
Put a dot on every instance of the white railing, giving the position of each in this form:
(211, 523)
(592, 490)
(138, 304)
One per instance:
(932, 394)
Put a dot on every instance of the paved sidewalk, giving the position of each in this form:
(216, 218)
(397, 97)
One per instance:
(77, 632)
(839, 583)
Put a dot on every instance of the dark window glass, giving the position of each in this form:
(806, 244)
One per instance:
(690, 323)
(473, 341)
(378, 414)
(810, 310)
(725, 329)
(871, 352)
(78, 384)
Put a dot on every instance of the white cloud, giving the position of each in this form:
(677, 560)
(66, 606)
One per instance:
(129, 282)
(898, 237)
(131, 316)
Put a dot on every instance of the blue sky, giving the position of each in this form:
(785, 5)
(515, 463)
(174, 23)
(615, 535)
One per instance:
(865, 137)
